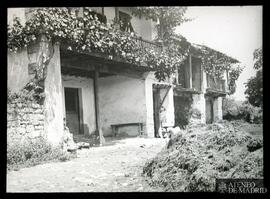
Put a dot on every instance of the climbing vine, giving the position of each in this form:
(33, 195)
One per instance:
(87, 33)
(216, 64)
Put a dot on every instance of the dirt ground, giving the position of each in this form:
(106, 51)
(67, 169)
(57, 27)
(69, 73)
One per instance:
(115, 167)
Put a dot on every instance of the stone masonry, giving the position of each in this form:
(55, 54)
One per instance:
(24, 119)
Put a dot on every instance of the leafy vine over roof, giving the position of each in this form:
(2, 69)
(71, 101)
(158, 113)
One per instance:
(216, 63)
(87, 33)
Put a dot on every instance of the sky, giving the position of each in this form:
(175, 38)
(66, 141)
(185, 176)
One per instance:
(233, 30)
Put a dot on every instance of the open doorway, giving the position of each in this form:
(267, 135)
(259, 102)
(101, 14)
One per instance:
(73, 110)
(209, 109)
(156, 104)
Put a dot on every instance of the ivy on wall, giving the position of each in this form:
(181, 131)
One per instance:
(216, 64)
(87, 33)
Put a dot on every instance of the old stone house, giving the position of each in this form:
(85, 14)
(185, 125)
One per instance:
(97, 94)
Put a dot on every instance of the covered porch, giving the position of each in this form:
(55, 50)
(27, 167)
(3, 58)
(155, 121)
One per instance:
(100, 94)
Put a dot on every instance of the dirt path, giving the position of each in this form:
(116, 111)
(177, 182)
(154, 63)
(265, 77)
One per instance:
(116, 167)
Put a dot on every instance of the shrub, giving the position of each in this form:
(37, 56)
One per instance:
(251, 113)
(30, 152)
(244, 111)
(255, 144)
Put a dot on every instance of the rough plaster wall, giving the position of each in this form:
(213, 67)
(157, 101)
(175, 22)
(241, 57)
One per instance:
(226, 81)
(18, 75)
(217, 108)
(207, 110)
(122, 100)
(88, 100)
(199, 104)
(204, 82)
(15, 12)
(149, 81)
(110, 14)
(143, 27)
(17, 62)
(53, 99)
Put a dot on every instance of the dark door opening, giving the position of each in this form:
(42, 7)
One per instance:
(156, 104)
(209, 110)
(72, 110)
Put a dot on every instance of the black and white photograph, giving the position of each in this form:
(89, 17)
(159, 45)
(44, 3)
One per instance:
(135, 99)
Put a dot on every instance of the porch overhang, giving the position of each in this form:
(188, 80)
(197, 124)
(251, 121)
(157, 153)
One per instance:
(215, 93)
(162, 86)
(179, 91)
(84, 63)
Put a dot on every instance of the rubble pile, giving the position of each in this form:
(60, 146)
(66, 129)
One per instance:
(202, 153)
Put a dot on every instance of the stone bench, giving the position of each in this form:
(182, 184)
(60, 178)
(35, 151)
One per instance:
(115, 127)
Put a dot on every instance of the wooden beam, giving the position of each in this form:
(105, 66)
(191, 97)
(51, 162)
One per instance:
(190, 71)
(98, 121)
(168, 89)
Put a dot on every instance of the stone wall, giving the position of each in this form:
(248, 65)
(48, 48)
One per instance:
(24, 119)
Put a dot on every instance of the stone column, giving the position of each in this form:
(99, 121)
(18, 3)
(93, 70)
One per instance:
(198, 105)
(217, 109)
(53, 104)
(149, 124)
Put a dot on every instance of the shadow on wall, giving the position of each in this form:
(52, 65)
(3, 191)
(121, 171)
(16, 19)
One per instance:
(86, 129)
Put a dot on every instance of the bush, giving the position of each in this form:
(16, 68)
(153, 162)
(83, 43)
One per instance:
(30, 152)
(241, 111)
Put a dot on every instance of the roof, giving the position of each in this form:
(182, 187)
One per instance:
(198, 48)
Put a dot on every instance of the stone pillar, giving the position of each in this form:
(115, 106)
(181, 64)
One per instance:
(198, 107)
(149, 124)
(53, 104)
(204, 82)
(217, 109)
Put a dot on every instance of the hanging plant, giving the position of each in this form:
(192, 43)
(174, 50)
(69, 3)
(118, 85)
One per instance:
(216, 64)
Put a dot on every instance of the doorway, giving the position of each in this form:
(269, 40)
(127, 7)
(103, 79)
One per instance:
(209, 109)
(73, 110)
(156, 104)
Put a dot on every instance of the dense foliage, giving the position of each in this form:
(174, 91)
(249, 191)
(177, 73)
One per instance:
(167, 17)
(30, 152)
(87, 33)
(216, 64)
(254, 86)
(233, 110)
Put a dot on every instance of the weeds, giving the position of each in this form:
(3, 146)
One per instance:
(28, 152)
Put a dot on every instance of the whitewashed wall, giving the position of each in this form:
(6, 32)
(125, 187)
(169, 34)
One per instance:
(122, 100)
(144, 28)
(168, 104)
(88, 100)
